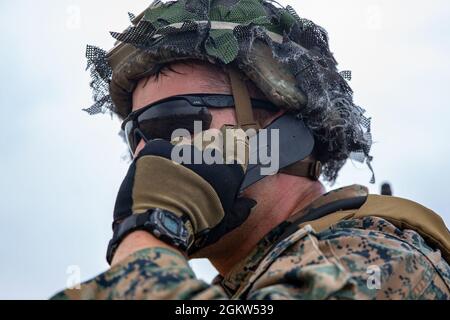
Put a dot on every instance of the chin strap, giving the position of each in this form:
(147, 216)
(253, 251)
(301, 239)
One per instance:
(307, 168)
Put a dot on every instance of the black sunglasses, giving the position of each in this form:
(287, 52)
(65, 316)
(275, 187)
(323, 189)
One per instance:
(160, 119)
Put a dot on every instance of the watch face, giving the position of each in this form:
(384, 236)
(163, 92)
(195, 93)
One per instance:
(169, 228)
(171, 224)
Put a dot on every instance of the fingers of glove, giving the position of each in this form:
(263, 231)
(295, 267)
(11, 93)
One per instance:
(228, 145)
(240, 212)
(206, 155)
(124, 200)
(225, 180)
(235, 146)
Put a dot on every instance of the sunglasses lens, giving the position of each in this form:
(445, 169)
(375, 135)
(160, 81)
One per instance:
(166, 127)
(161, 121)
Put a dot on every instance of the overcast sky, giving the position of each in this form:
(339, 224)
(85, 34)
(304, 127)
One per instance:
(60, 169)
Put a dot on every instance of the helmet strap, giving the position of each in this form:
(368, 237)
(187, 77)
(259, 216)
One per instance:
(243, 105)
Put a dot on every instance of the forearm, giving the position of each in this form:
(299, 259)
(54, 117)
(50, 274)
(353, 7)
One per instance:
(135, 242)
(153, 272)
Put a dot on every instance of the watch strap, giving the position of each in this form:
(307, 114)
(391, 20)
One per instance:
(142, 222)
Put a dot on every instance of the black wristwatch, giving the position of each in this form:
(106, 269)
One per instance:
(163, 224)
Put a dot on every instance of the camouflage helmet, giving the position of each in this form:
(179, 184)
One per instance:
(285, 56)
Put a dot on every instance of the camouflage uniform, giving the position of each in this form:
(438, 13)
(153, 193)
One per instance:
(335, 263)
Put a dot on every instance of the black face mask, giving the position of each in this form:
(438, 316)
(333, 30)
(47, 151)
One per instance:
(159, 120)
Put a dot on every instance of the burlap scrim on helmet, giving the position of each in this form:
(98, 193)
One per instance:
(184, 29)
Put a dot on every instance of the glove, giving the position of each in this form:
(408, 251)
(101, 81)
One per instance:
(204, 196)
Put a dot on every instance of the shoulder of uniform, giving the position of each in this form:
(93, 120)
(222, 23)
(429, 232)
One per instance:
(407, 214)
(399, 210)
(395, 203)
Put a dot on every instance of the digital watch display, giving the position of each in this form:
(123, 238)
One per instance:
(163, 224)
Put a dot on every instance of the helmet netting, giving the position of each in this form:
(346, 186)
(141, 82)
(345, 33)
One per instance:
(339, 126)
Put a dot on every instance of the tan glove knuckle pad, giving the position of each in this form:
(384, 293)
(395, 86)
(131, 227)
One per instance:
(162, 183)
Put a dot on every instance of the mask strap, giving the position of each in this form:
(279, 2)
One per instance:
(243, 104)
(308, 168)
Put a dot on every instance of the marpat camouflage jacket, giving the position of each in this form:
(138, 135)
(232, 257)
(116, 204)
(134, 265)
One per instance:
(366, 258)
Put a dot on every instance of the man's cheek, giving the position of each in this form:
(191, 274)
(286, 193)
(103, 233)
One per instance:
(222, 117)
(139, 148)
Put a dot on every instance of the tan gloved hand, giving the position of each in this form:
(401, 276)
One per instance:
(203, 195)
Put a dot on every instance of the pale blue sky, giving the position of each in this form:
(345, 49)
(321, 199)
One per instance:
(60, 169)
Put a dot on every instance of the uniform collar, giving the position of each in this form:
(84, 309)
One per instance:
(241, 273)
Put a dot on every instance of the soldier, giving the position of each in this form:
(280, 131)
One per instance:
(249, 65)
